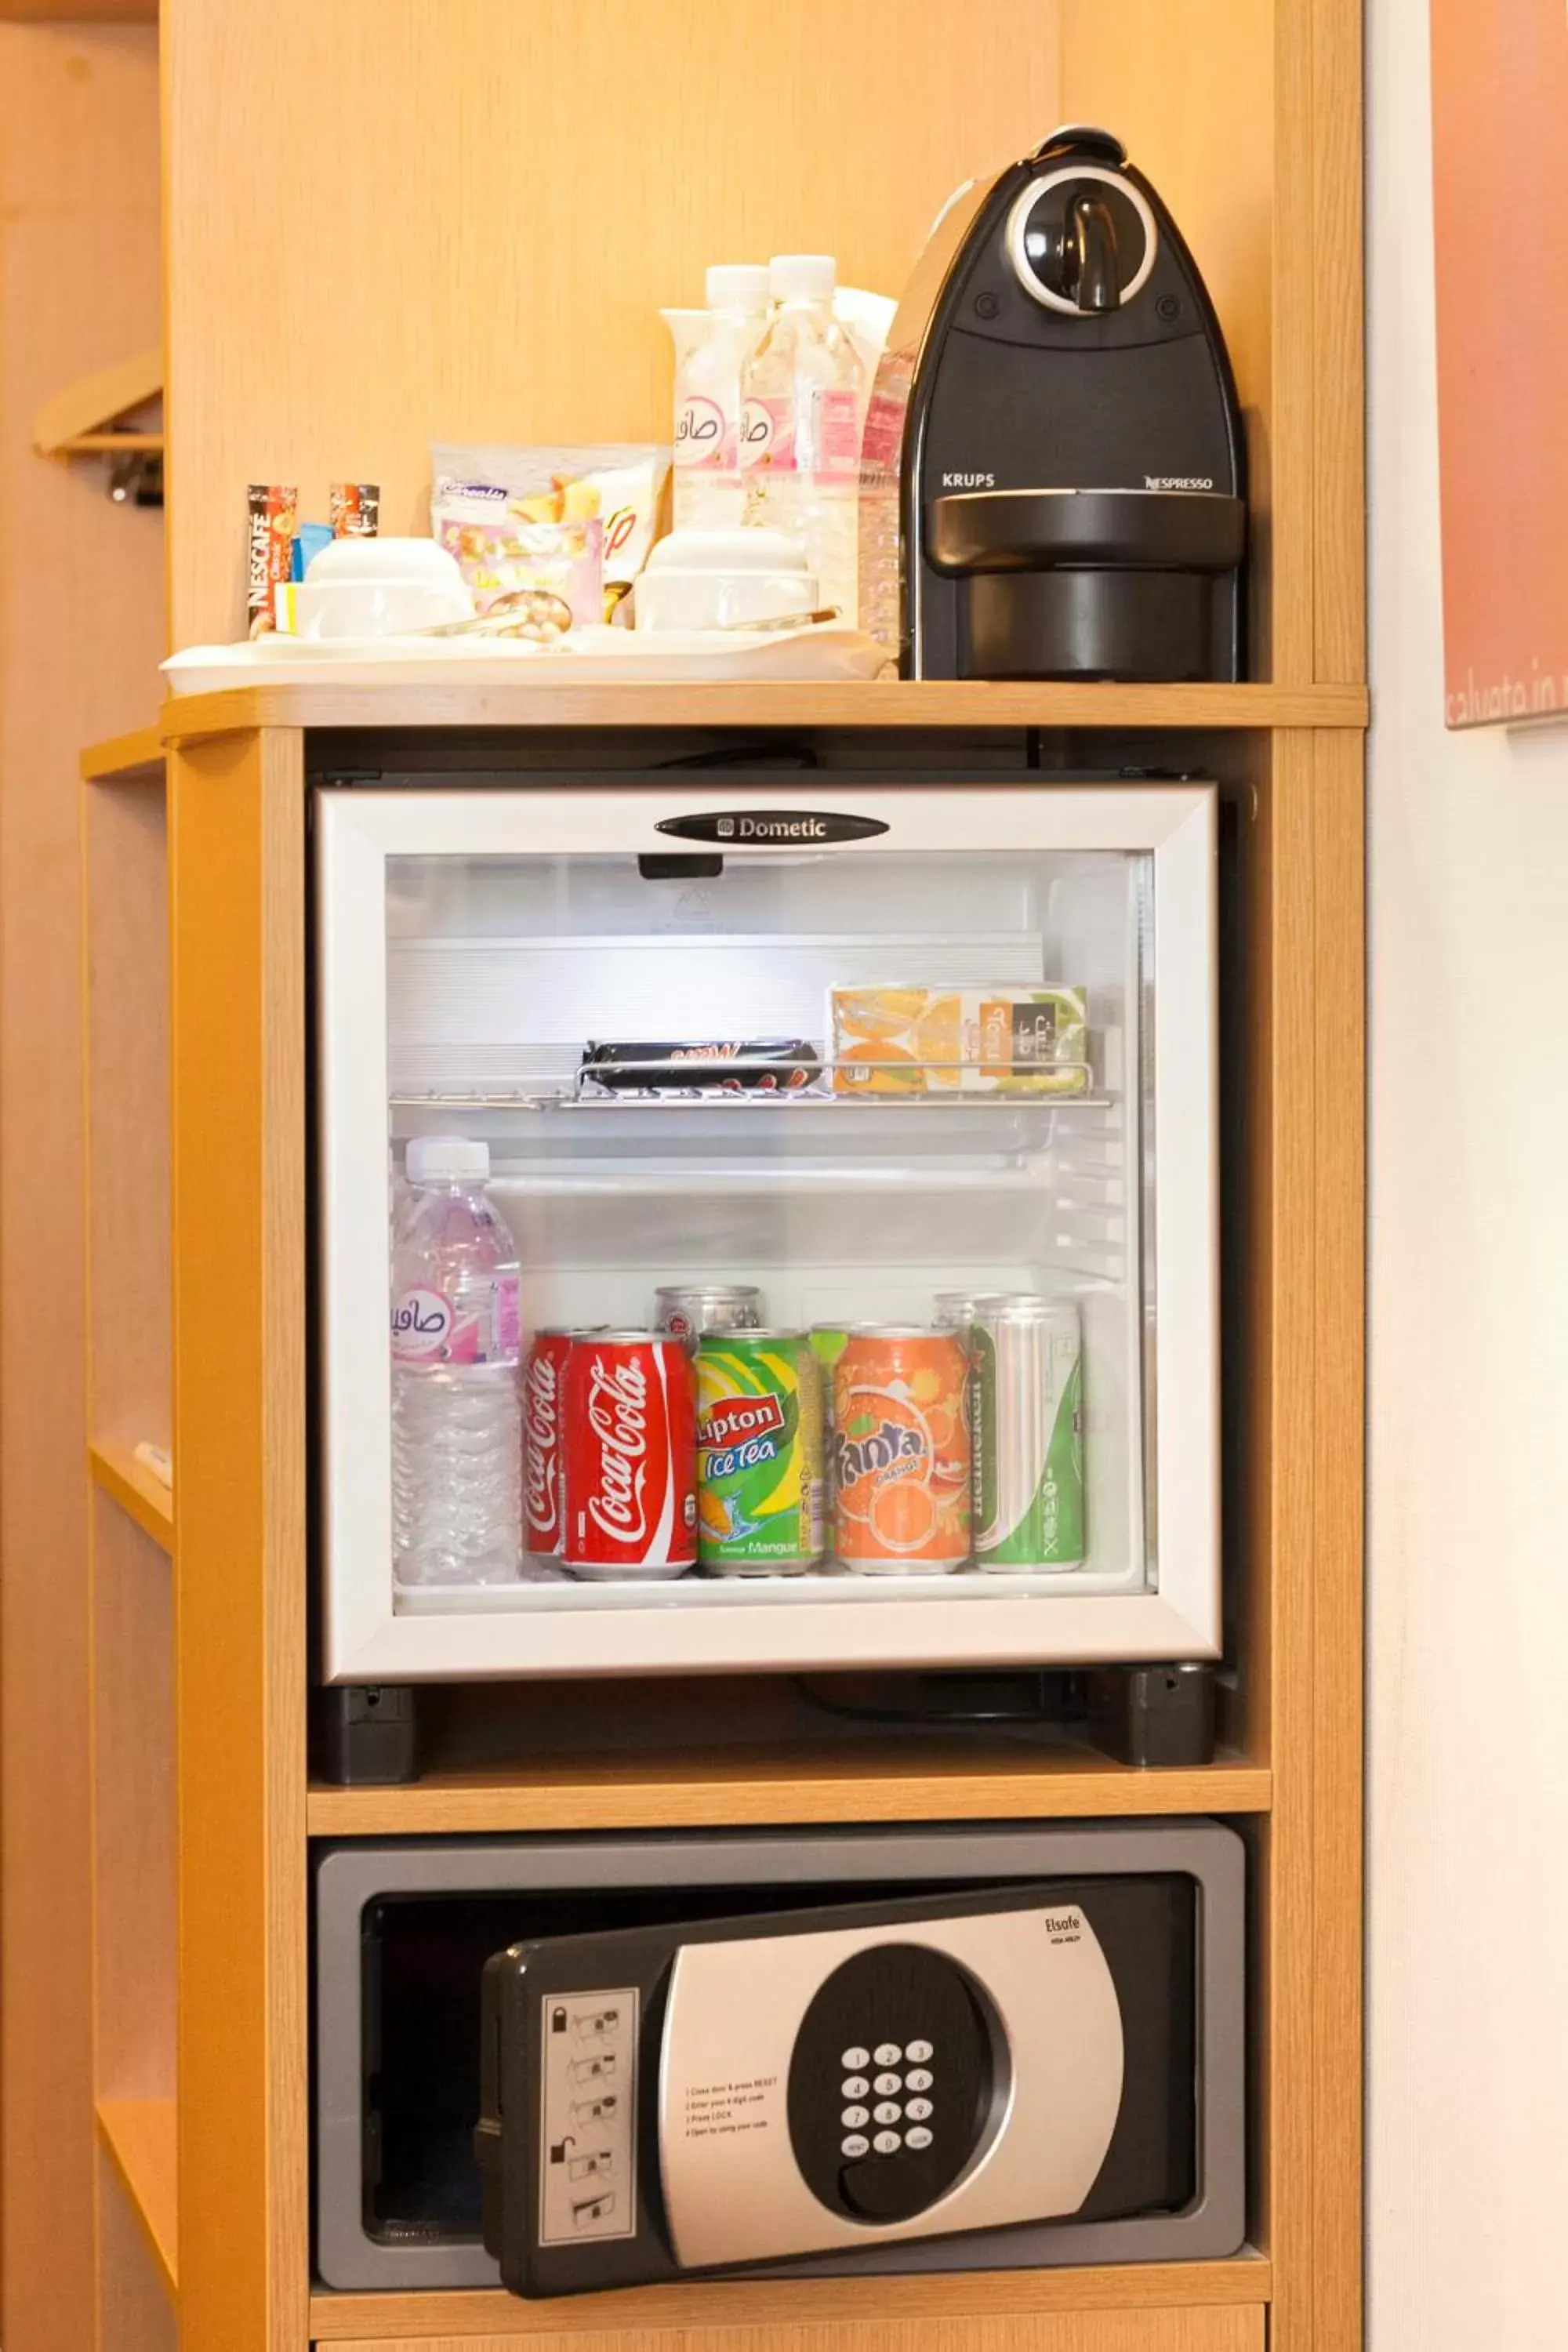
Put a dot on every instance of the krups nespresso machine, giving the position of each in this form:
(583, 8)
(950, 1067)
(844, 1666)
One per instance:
(1053, 474)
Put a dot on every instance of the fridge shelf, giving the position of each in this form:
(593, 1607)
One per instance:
(558, 1100)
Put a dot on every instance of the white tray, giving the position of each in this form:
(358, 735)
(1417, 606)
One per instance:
(830, 650)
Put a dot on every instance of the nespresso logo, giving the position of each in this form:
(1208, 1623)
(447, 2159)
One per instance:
(1178, 482)
(969, 481)
(761, 827)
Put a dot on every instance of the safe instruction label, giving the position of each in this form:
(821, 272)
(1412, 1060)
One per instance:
(587, 2156)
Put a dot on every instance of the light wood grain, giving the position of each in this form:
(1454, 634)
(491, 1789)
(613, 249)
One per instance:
(150, 1504)
(93, 401)
(126, 988)
(78, 12)
(132, 1907)
(240, 1294)
(1339, 1226)
(134, 2309)
(752, 1786)
(1233, 2329)
(190, 718)
(634, 2313)
(1338, 417)
(138, 2135)
(1184, 83)
(80, 637)
(470, 294)
(133, 759)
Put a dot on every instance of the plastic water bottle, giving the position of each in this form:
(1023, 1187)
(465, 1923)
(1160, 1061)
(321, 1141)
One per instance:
(802, 410)
(710, 349)
(456, 1408)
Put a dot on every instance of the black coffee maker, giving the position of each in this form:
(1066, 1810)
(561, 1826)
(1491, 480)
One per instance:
(1053, 476)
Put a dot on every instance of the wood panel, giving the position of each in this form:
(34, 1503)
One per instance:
(135, 758)
(907, 704)
(139, 2135)
(237, 833)
(775, 2305)
(525, 196)
(1239, 2328)
(150, 1504)
(133, 2310)
(754, 1786)
(80, 637)
(126, 982)
(133, 1809)
(1189, 90)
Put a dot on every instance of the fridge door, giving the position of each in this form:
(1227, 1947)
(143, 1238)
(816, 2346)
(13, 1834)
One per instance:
(473, 945)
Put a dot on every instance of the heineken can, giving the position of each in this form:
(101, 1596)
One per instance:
(1026, 1409)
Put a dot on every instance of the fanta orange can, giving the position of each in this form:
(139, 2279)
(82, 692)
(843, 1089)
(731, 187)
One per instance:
(900, 1450)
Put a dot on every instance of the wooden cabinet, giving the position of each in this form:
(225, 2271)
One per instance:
(1238, 2327)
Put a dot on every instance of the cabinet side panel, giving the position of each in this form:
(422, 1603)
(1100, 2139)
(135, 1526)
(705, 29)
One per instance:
(239, 1451)
(80, 638)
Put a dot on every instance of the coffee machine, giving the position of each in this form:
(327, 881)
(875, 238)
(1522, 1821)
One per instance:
(1053, 475)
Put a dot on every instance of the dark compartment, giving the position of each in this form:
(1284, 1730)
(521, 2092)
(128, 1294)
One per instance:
(422, 1965)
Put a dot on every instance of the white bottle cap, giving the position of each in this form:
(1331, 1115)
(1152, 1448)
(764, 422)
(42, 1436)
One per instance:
(446, 1160)
(738, 285)
(797, 277)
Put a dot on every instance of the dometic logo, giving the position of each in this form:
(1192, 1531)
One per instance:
(969, 481)
(1178, 482)
(760, 828)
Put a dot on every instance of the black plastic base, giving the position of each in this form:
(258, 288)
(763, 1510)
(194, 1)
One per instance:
(1150, 1714)
(1070, 624)
(366, 1737)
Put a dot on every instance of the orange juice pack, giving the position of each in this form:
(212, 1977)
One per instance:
(974, 1040)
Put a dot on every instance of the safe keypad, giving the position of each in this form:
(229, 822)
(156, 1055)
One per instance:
(894, 2105)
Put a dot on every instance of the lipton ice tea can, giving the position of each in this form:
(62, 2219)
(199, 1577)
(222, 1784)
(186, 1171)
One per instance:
(759, 1454)
(900, 1450)
(1027, 1405)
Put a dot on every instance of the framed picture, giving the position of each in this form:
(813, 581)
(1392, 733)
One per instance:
(1499, 110)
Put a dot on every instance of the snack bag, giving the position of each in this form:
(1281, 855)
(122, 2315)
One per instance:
(975, 1040)
(537, 533)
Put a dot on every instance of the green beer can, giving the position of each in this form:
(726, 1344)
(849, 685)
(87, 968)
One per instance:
(759, 1454)
(1026, 1411)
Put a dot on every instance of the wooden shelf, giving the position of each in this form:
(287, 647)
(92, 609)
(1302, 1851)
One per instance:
(750, 1785)
(133, 759)
(140, 2136)
(149, 1502)
(715, 2303)
(456, 703)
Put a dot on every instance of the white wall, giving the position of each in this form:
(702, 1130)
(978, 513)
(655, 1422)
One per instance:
(1468, 1534)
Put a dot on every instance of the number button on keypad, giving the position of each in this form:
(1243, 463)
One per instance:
(888, 2053)
(854, 2059)
(918, 2079)
(854, 2118)
(888, 2111)
(885, 2085)
(886, 2143)
(854, 2087)
(917, 2053)
(918, 2110)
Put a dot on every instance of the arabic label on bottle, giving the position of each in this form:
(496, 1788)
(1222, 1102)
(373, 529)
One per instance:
(421, 1327)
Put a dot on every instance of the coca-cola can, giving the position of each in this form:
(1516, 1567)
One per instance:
(544, 1383)
(629, 1448)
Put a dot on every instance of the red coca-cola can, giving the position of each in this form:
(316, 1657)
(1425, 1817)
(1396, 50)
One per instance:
(544, 1384)
(629, 1446)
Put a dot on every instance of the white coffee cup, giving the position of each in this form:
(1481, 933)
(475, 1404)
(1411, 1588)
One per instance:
(723, 580)
(380, 588)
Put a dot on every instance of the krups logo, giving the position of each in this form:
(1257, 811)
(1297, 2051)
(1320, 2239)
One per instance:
(1178, 482)
(760, 827)
(969, 481)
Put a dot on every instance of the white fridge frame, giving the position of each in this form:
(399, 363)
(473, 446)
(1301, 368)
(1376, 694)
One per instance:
(358, 829)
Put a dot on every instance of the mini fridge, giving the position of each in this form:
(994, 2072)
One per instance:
(862, 1047)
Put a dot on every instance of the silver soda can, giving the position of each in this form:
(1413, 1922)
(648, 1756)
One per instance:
(688, 1310)
(954, 1308)
(1026, 1402)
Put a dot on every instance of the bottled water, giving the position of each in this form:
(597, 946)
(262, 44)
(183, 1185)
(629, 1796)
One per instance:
(803, 406)
(457, 1409)
(710, 348)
